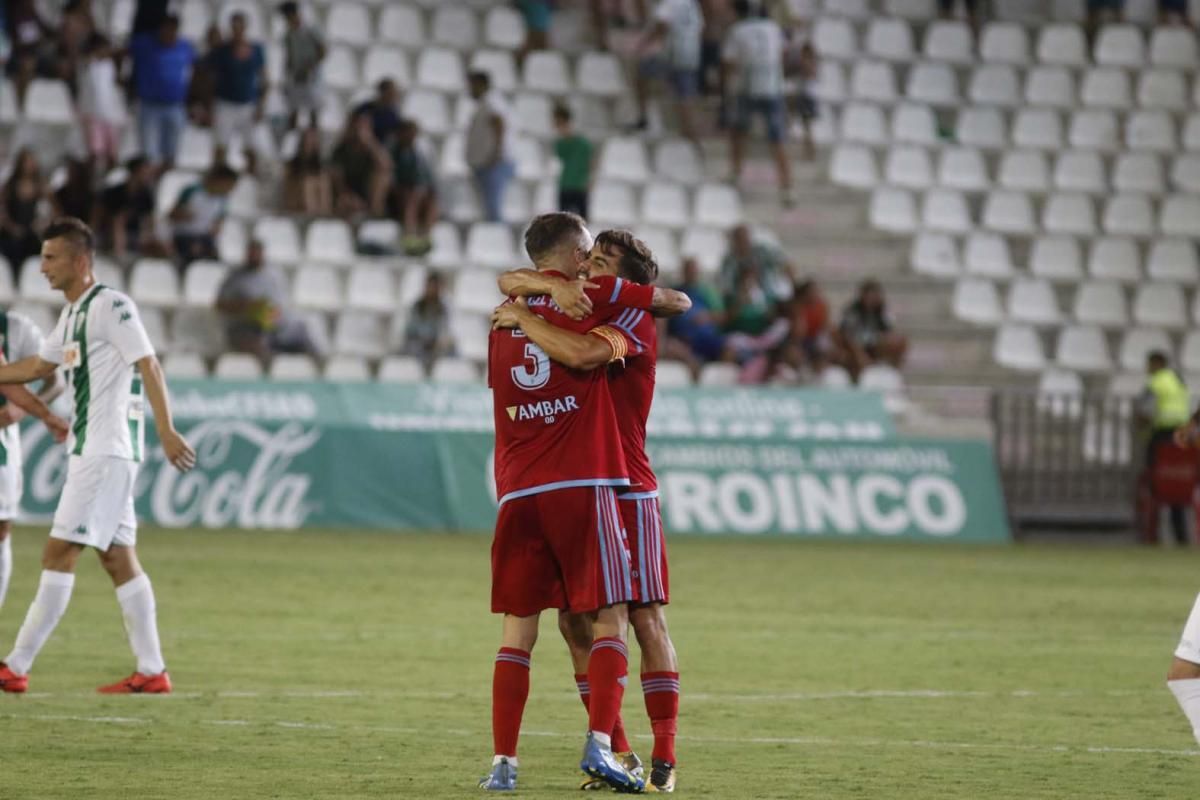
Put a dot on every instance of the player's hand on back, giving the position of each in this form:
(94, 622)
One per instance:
(178, 451)
(571, 297)
(509, 315)
(1186, 435)
(58, 427)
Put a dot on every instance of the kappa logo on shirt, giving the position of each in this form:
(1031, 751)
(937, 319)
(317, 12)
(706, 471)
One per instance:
(125, 317)
(118, 304)
(546, 410)
(80, 531)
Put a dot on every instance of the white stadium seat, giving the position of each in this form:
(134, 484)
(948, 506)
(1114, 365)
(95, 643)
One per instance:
(673, 374)
(624, 158)
(280, 239)
(663, 244)
(977, 301)
(293, 367)
(185, 366)
(994, 85)
(33, 286)
(1025, 170)
(678, 160)
(238, 367)
(1120, 46)
(1050, 86)
(1189, 354)
(935, 254)
(600, 74)
(835, 38)
(454, 370)
(949, 41)
(1138, 343)
(546, 71)
(982, 127)
(504, 27)
(1082, 348)
(1056, 258)
(1018, 347)
(613, 203)
(198, 330)
(1009, 212)
(329, 241)
(1114, 259)
(893, 210)
(1004, 43)
(854, 9)
(932, 83)
(340, 69)
(1037, 128)
(349, 23)
(832, 84)
(1069, 212)
(403, 25)
(1191, 132)
(533, 114)
(874, 81)
(987, 255)
(918, 10)
(914, 124)
(455, 26)
(1102, 304)
(720, 375)
(1033, 302)
(48, 102)
(1138, 172)
(1080, 171)
(1128, 215)
(500, 65)
(1151, 131)
(665, 204)
(889, 39)
(1173, 47)
(155, 282)
(441, 70)
(357, 333)
(945, 210)
(706, 245)
(430, 107)
(1185, 172)
(1173, 260)
(317, 287)
(1059, 383)
(201, 282)
(1062, 44)
(371, 288)
(718, 205)
(1106, 87)
(195, 149)
(1159, 305)
(962, 168)
(490, 244)
(401, 369)
(1162, 88)
(864, 122)
(909, 166)
(1094, 129)
(1178, 215)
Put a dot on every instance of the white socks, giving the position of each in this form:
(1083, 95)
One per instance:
(5, 566)
(1187, 692)
(137, 607)
(47, 608)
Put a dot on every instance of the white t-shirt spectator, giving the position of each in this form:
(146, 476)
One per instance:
(481, 134)
(99, 95)
(685, 23)
(205, 211)
(756, 46)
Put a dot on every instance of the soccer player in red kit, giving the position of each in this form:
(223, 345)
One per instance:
(558, 541)
(632, 383)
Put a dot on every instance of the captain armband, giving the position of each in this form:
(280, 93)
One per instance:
(615, 340)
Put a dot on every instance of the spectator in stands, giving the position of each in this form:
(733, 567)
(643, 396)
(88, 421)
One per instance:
(427, 334)
(1164, 405)
(308, 184)
(575, 154)
(867, 334)
(970, 8)
(718, 16)
(240, 72)
(675, 39)
(127, 212)
(538, 15)
(23, 193)
(1174, 12)
(415, 192)
(75, 32)
(382, 111)
(802, 65)
(76, 198)
(489, 144)
(162, 70)
(253, 302)
(362, 171)
(101, 103)
(32, 46)
(696, 337)
(753, 58)
(304, 50)
(806, 343)
(750, 308)
(770, 266)
(198, 214)
(1103, 12)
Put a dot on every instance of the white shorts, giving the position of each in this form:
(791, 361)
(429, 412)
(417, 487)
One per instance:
(1189, 643)
(96, 506)
(12, 477)
(234, 121)
(303, 96)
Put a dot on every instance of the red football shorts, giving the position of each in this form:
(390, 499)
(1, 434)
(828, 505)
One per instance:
(647, 548)
(562, 549)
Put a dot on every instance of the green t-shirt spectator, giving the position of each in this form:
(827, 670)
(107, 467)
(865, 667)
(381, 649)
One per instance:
(575, 153)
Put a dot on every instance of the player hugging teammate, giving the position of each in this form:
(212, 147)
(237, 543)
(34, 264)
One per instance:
(578, 528)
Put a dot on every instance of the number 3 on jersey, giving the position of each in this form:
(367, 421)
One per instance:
(536, 373)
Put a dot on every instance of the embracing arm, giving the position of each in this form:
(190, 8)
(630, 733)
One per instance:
(176, 448)
(570, 296)
(669, 302)
(574, 350)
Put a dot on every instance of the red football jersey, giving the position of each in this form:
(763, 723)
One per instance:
(633, 392)
(556, 427)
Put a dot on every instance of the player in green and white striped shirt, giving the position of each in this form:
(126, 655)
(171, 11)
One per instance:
(111, 367)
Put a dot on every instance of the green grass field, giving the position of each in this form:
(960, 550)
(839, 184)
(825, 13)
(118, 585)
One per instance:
(329, 665)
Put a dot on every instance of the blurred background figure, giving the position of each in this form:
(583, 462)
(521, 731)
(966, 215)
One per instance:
(162, 71)
(867, 333)
(1164, 406)
(575, 154)
(427, 332)
(362, 171)
(669, 52)
(198, 213)
(414, 189)
(308, 184)
(252, 301)
(240, 71)
(489, 144)
(20, 218)
(304, 50)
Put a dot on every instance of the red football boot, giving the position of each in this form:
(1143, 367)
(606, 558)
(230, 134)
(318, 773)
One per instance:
(137, 683)
(11, 682)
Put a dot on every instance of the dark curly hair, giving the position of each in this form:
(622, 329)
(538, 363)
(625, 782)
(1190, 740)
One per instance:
(636, 263)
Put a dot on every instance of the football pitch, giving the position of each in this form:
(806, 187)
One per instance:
(355, 665)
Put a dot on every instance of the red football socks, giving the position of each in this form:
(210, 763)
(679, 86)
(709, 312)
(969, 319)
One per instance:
(510, 690)
(620, 742)
(607, 669)
(661, 693)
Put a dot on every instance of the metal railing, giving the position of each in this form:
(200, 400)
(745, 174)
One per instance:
(1067, 460)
